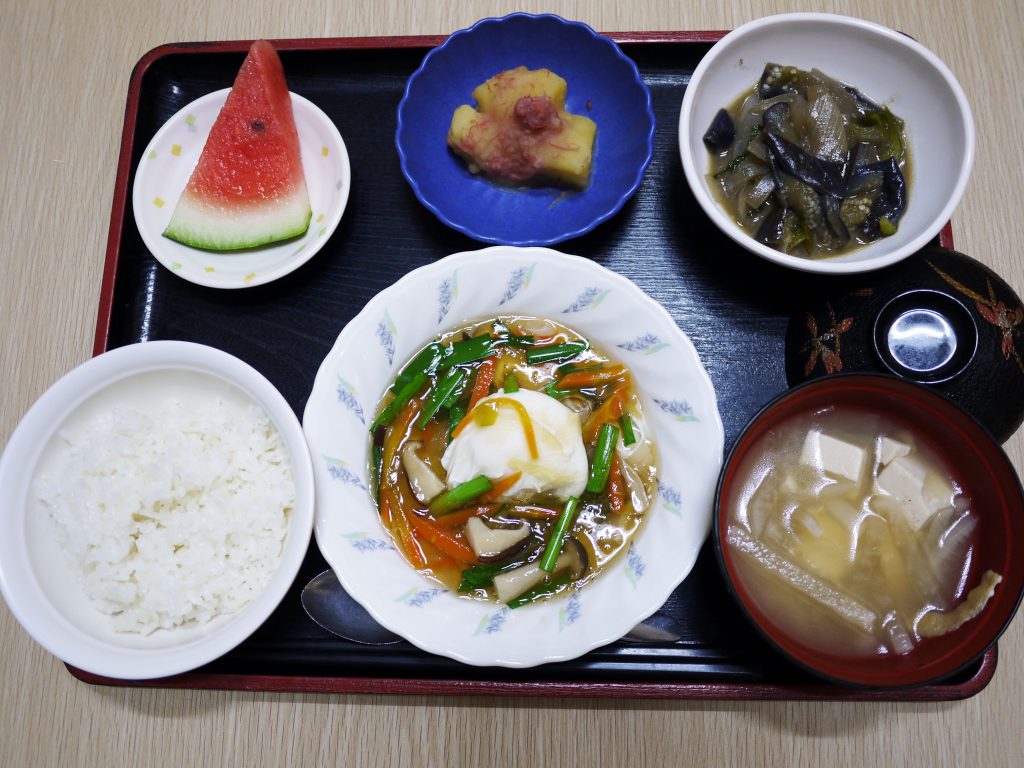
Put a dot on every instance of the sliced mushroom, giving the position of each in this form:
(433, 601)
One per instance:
(637, 492)
(424, 483)
(534, 326)
(577, 554)
(511, 584)
(492, 545)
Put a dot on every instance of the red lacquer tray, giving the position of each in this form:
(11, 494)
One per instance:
(734, 307)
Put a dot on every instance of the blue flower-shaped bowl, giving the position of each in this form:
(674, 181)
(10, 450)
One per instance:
(603, 84)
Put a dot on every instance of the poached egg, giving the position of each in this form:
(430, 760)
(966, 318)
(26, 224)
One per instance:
(494, 442)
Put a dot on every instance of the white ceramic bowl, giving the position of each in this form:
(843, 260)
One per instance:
(889, 68)
(679, 404)
(35, 578)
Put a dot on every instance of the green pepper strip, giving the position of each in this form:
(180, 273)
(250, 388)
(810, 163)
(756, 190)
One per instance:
(425, 362)
(441, 393)
(628, 437)
(555, 353)
(602, 458)
(467, 351)
(542, 590)
(554, 547)
(460, 495)
(404, 395)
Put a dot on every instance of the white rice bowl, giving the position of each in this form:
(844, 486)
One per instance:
(178, 554)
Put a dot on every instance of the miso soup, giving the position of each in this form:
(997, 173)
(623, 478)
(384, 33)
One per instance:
(854, 536)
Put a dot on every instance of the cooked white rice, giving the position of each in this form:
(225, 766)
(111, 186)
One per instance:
(173, 515)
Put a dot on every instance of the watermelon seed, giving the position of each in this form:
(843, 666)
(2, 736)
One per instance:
(258, 126)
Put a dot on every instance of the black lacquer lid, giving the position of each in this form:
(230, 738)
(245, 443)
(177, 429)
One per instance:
(939, 318)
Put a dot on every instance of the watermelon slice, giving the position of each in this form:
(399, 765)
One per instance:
(248, 188)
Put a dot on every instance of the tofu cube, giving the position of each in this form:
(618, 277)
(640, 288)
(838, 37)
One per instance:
(833, 456)
(900, 490)
(890, 449)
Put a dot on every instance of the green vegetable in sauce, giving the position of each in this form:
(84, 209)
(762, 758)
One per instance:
(404, 395)
(555, 353)
(603, 454)
(446, 389)
(554, 546)
(459, 496)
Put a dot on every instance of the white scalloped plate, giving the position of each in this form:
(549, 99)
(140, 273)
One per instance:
(682, 416)
(165, 168)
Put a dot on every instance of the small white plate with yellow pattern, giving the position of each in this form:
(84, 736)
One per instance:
(680, 411)
(168, 162)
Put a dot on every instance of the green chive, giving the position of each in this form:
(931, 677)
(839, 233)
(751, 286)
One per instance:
(603, 453)
(467, 351)
(376, 451)
(554, 547)
(628, 438)
(541, 590)
(886, 227)
(568, 368)
(555, 353)
(403, 396)
(456, 413)
(553, 390)
(445, 389)
(460, 495)
(425, 362)
(511, 384)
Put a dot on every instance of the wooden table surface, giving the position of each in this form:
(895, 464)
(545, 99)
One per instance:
(65, 72)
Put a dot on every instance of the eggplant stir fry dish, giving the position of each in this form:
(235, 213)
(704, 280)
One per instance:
(808, 165)
(511, 460)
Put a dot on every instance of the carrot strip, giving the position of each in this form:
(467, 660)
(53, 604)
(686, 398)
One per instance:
(483, 381)
(408, 541)
(463, 515)
(592, 378)
(608, 412)
(500, 486)
(396, 435)
(616, 486)
(442, 539)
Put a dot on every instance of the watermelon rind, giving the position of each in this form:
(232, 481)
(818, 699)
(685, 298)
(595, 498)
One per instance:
(201, 225)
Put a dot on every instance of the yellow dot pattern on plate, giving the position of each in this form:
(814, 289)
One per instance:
(319, 218)
(190, 120)
(249, 278)
(175, 265)
(323, 231)
(208, 269)
(152, 154)
(176, 150)
(158, 202)
(323, 151)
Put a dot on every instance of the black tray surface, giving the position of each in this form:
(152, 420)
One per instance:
(734, 307)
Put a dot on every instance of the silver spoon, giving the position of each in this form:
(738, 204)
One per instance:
(330, 606)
